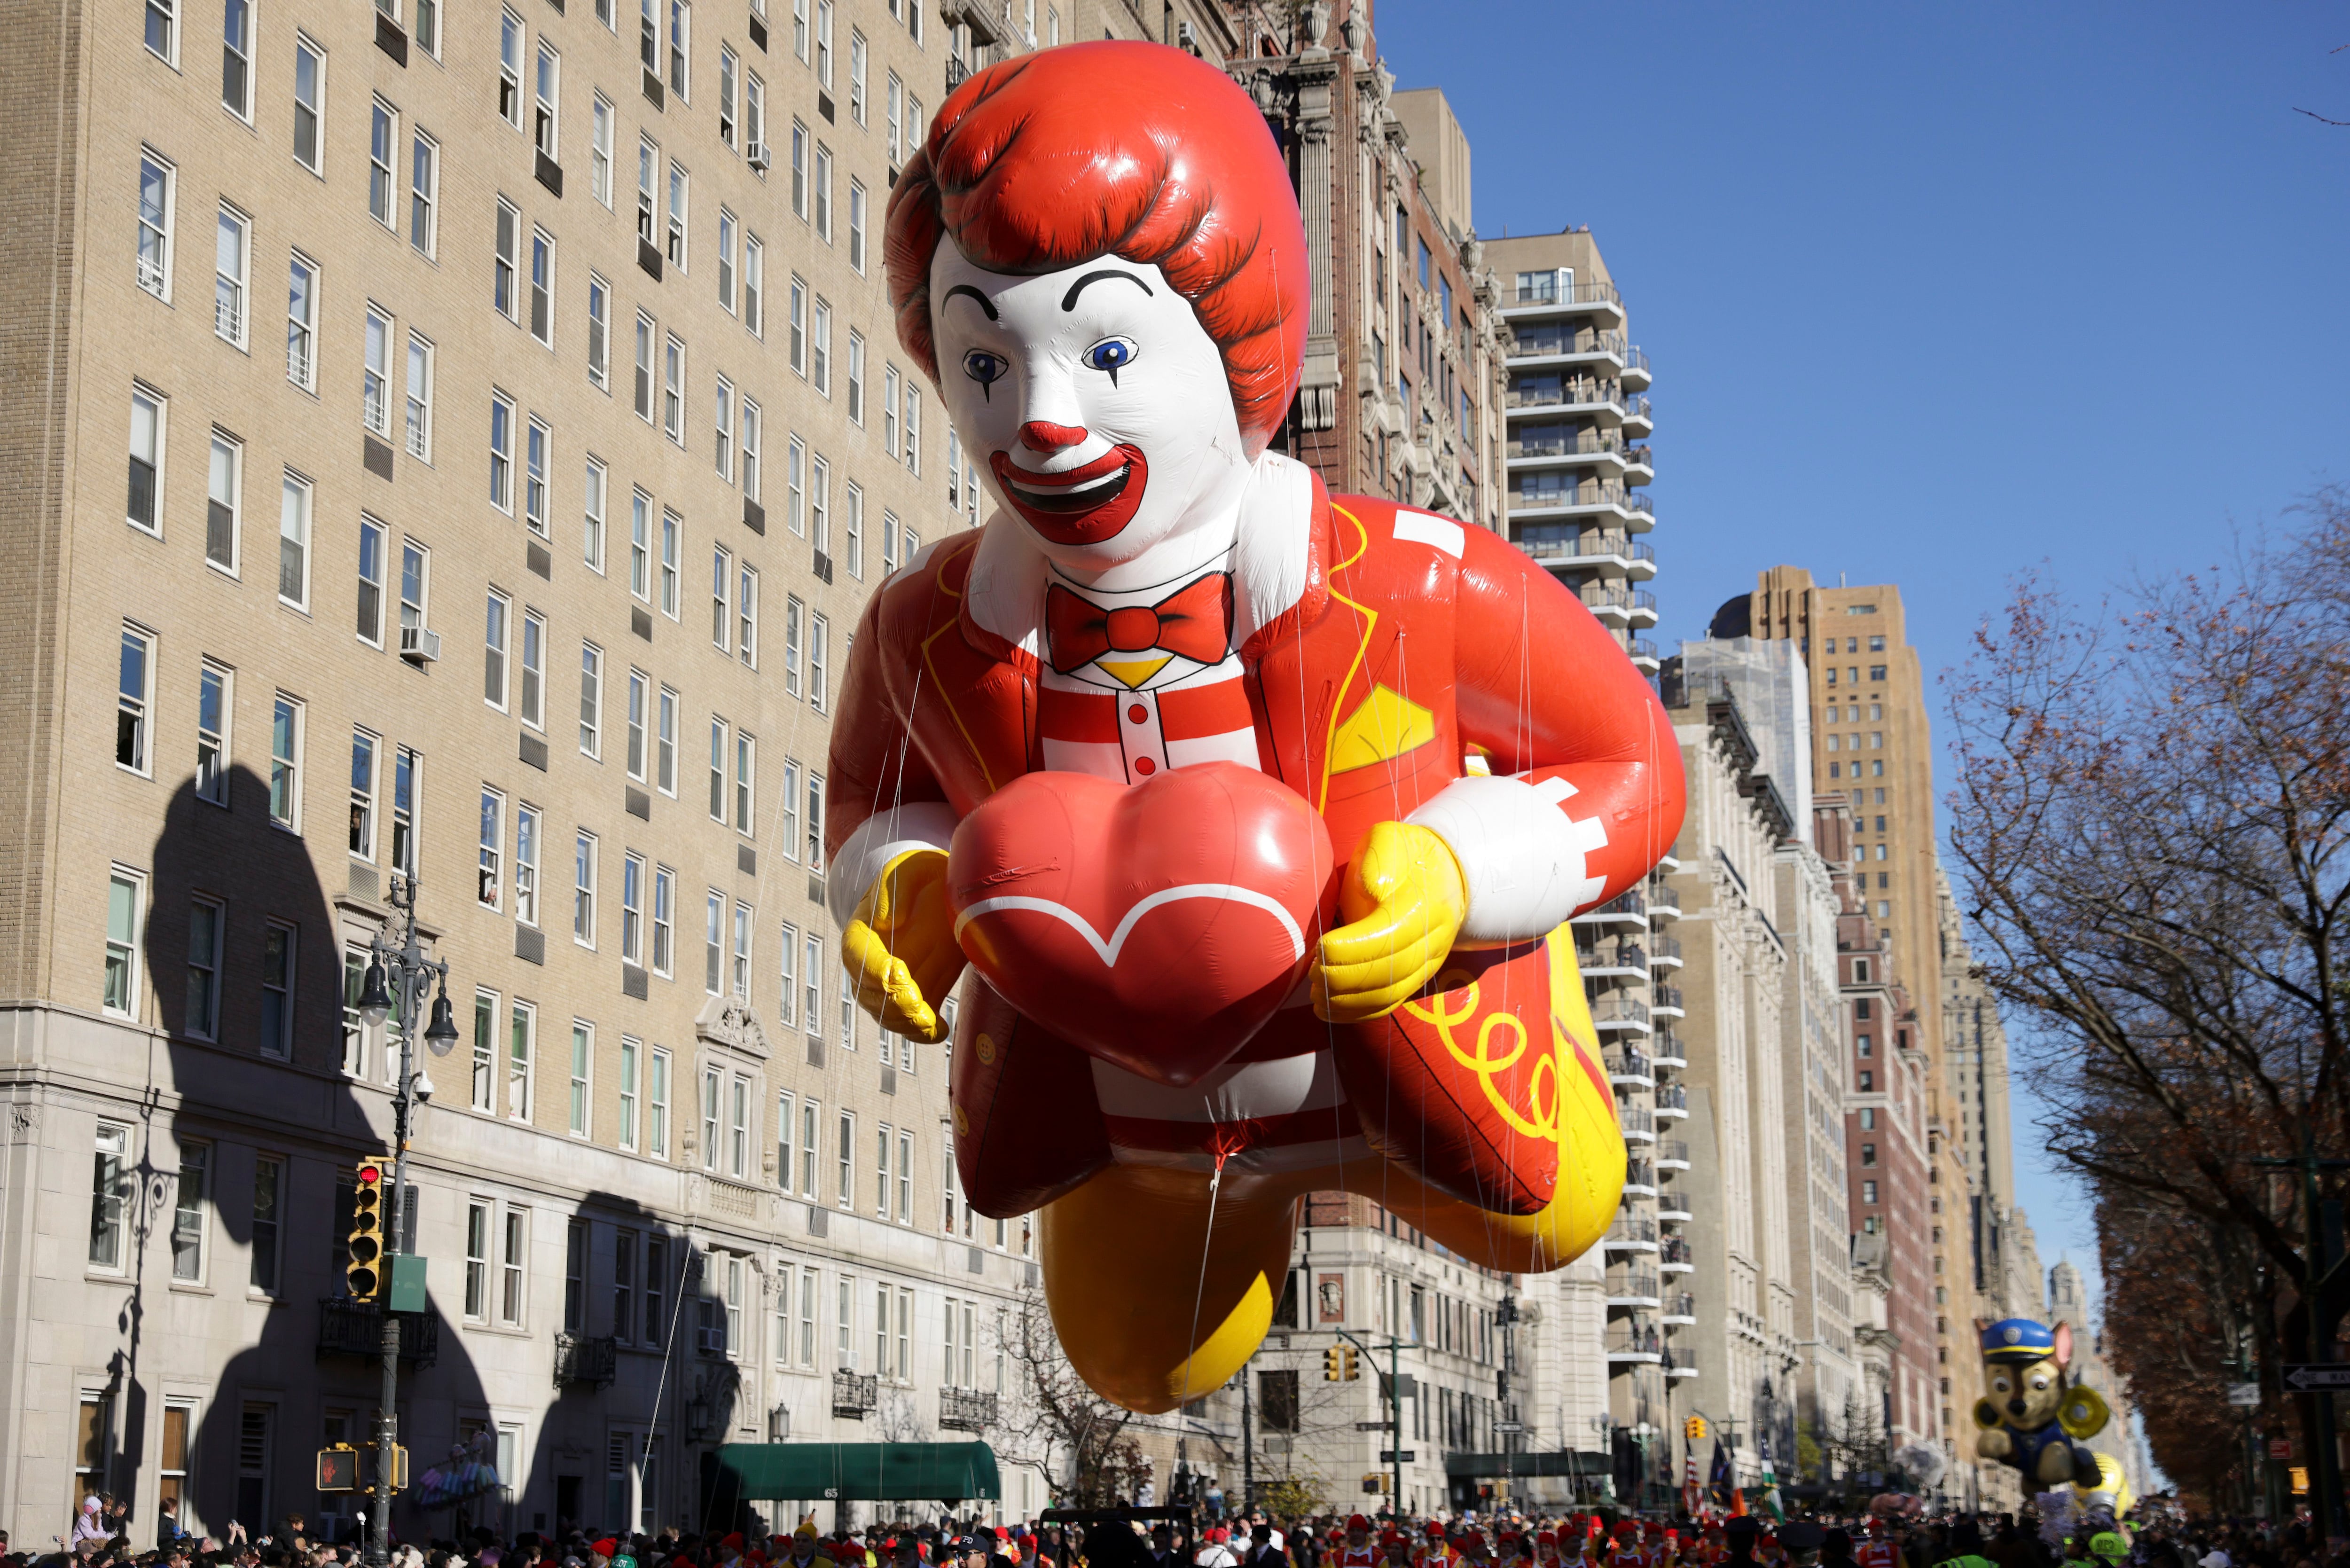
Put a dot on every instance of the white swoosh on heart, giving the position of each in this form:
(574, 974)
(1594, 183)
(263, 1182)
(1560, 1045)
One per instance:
(1108, 951)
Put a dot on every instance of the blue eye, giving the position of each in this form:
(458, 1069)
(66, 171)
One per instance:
(1112, 355)
(985, 367)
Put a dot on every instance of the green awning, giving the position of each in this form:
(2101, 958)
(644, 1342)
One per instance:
(940, 1472)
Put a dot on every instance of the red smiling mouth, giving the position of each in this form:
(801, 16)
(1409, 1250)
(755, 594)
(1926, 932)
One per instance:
(1083, 506)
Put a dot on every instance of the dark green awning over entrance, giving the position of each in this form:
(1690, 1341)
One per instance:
(939, 1472)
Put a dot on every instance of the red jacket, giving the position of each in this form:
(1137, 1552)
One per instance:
(1411, 643)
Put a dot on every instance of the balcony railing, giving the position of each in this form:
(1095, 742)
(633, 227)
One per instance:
(1673, 1149)
(1681, 1305)
(1536, 341)
(855, 1395)
(228, 317)
(1637, 1283)
(1641, 647)
(1665, 1043)
(1626, 1230)
(966, 1409)
(1626, 903)
(582, 1360)
(1630, 1063)
(1546, 291)
(1582, 443)
(1612, 955)
(1615, 595)
(1668, 996)
(1628, 1339)
(1598, 543)
(347, 1327)
(298, 361)
(1675, 1098)
(1676, 1249)
(1619, 1010)
(1662, 947)
(1640, 1173)
(1546, 391)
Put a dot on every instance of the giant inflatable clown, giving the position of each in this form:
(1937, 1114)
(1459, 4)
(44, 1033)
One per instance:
(1257, 813)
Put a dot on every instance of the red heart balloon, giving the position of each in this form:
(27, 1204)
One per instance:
(1156, 925)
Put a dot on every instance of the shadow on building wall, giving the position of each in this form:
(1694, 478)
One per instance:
(240, 928)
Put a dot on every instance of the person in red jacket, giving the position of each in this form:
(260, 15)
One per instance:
(1097, 258)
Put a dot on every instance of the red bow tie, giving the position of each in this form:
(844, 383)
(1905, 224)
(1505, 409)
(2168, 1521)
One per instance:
(1194, 621)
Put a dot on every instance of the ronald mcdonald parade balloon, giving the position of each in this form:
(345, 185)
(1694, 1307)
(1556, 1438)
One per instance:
(1247, 818)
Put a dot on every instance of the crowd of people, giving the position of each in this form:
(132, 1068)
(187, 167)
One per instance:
(1177, 1539)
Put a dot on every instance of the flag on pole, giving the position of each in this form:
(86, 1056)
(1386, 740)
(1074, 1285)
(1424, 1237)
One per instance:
(1723, 1480)
(1690, 1496)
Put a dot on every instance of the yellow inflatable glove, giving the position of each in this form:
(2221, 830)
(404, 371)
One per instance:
(899, 947)
(2083, 1412)
(1403, 900)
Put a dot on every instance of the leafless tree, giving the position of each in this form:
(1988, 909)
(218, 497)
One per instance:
(2151, 820)
(1048, 1417)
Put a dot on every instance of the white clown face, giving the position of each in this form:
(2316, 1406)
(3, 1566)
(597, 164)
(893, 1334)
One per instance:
(1095, 401)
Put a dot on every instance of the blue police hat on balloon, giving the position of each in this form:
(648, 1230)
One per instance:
(2018, 1339)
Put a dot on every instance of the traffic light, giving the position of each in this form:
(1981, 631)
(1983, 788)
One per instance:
(363, 1275)
(1694, 1428)
(1349, 1371)
(1334, 1365)
(338, 1469)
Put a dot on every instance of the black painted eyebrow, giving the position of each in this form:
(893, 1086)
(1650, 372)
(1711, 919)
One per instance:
(984, 302)
(1069, 300)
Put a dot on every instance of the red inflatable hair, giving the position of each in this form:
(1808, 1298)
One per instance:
(1123, 149)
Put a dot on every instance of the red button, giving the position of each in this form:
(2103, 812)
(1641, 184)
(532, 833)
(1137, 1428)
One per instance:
(1137, 714)
(1145, 766)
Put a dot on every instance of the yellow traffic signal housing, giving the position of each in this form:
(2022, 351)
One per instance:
(1694, 1428)
(363, 1275)
(1351, 1372)
(1334, 1365)
(399, 1468)
(1376, 1481)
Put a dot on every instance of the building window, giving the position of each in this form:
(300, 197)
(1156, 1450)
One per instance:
(294, 543)
(423, 191)
(363, 794)
(285, 763)
(727, 69)
(819, 636)
(190, 1200)
(383, 142)
(526, 865)
(375, 381)
(755, 268)
(419, 399)
(632, 908)
(490, 868)
(542, 286)
(720, 731)
(673, 389)
(844, 1191)
(502, 414)
(713, 932)
(641, 547)
(631, 1051)
(547, 90)
(534, 476)
(534, 668)
(710, 1090)
(485, 1047)
(521, 1037)
(644, 363)
(599, 151)
(229, 263)
(477, 1258)
(681, 40)
(583, 1050)
(740, 977)
(156, 179)
(656, 1126)
(493, 658)
(591, 508)
(143, 510)
(599, 310)
(664, 907)
(812, 1008)
(205, 920)
(583, 889)
(225, 485)
(110, 1193)
(857, 226)
(301, 322)
(750, 442)
(278, 971)
(510, 47)
(746, 616)
(820, 345)
(134, 700)
(503, 260)
(725, 427)
(163, 30)
(591, 701)
(671, 529)
(679, 189)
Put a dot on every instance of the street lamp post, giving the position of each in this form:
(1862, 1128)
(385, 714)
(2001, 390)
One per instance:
(396, 978)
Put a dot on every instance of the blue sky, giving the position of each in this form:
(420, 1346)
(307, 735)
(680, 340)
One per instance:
(1938, 293)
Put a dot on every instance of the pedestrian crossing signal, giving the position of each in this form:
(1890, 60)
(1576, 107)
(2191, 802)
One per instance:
(1376, 1481)
(338, 1469)
(363, 1275)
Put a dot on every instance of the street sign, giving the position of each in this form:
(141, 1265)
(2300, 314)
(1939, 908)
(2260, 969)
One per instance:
(2246, 1395)
(1508, 1425)
(1407, 1456)
(2280, 1448)
(1375, 1426)
(2301, 1376)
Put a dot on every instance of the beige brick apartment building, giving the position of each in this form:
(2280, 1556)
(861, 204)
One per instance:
(455, 440)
